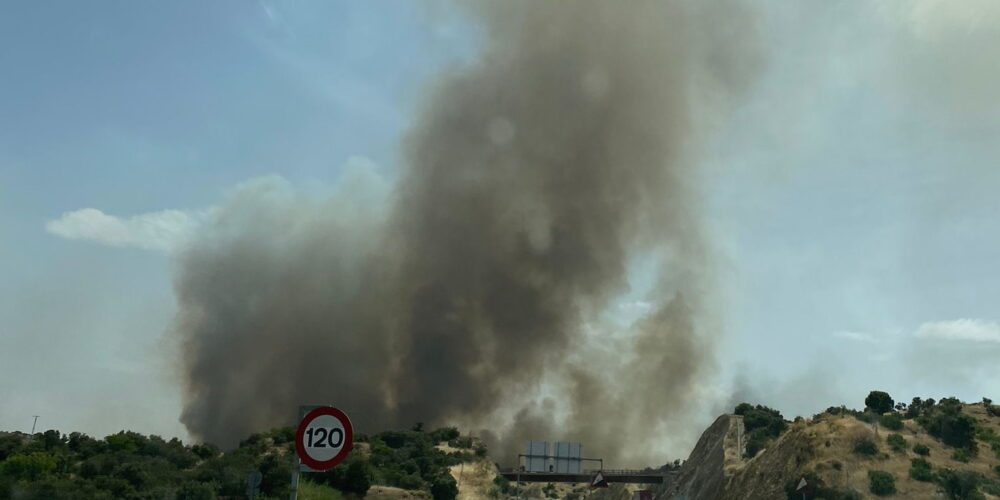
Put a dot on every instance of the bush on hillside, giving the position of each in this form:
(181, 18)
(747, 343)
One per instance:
(960, 484)
(991, 409)
(896, 442)
(921, 449)
(501, 487)
(920, 470)
(762, 424)
(28, 466)
(947, 423)
(891, 421)
(990, 437)
(881, 482)
(444, 487)
(445, 434)
(879, 402)
(865, 446)
(961, 455)
(990, 485)
(550, 491)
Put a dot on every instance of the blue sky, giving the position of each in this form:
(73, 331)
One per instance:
(851, 193)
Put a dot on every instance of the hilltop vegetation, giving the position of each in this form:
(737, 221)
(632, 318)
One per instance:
(128, 465)
(924, 449)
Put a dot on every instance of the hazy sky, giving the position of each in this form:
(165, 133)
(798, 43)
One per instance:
(851, 193)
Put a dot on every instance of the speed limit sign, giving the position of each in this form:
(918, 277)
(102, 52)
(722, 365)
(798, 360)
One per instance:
(324, 438)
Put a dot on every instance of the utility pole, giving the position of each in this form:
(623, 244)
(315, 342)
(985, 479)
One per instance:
(33, 424)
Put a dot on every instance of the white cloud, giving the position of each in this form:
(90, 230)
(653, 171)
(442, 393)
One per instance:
(359, 191)
(961, 329)
(162, 231)
(856, 336)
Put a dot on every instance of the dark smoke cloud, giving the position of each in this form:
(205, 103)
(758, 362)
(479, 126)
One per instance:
(474, 292)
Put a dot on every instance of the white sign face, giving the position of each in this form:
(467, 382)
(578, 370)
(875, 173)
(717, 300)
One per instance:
(324, 437)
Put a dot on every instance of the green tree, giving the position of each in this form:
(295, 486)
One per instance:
(52, 440)
(921, 449)
(879, 402)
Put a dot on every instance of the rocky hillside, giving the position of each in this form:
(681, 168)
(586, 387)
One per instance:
(943, 450)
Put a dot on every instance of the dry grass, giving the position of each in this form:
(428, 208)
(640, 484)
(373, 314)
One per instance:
(852, 471)
(393, 493)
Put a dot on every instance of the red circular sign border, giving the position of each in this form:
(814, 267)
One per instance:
(301, 432)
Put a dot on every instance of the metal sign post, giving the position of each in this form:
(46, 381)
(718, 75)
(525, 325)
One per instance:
(253, 484)
(323, 439)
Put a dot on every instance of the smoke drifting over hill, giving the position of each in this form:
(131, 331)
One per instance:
(474, 289)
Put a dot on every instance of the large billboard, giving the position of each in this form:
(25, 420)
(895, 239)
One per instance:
(537, 456)
(568, 457)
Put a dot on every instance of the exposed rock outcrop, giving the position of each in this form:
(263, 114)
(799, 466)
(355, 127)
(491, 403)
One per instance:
(705, 473)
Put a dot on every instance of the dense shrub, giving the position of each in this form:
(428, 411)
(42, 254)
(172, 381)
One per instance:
(865, 446)
(501, 487)
(444, 487)
(947, 423)
(960, 484)
(990, 485)
(891, 421)
(195, 491)
(961, 455)
(411, 482)
(991, 409)
(881, 482)
(28, 466)
(920, 470)
(445, 434)
(550, 491)
(896, 442)
(990, 437)
(129, 465)
(762, 424)
(921, 449)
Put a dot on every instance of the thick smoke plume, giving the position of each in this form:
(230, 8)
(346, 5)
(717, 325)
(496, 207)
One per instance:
(477, 290)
